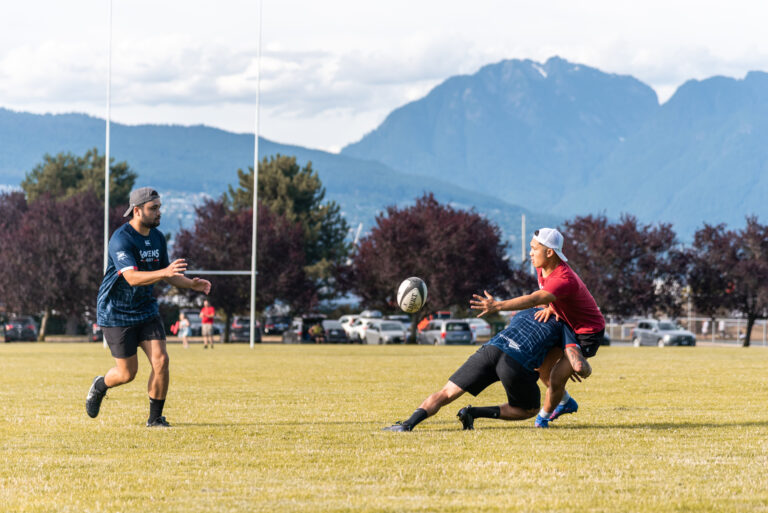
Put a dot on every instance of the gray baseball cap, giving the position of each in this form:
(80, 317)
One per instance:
(139, 197)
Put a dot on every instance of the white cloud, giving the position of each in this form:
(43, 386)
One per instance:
(331, 71)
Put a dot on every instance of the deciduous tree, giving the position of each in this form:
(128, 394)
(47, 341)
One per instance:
(629, 268)
(456, 252)
(221, 240)
(52, 256)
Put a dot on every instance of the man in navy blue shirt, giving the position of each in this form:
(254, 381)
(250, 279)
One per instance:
(512, 357)
(127, 312)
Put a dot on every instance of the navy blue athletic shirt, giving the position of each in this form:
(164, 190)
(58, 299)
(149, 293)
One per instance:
(528, 341)
(118, 303)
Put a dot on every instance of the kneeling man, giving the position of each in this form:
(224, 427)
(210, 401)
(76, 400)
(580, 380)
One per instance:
(512, 357)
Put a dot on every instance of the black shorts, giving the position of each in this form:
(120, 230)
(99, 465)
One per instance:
(590, 342)
(489, 365)
(123, 341)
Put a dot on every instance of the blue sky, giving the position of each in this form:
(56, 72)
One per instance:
(331, 71)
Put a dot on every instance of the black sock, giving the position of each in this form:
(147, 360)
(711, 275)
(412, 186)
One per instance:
(419, 415)
(155, 408)
(488, 412)
(100, 386)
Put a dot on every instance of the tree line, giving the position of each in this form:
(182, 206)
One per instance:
(52, 249)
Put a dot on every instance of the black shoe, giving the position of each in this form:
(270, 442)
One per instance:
(398, 427)
(93, 401)
(467, 420)
(158, 422)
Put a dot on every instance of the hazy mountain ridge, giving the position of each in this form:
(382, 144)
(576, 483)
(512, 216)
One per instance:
(570, 139)
(191, 163)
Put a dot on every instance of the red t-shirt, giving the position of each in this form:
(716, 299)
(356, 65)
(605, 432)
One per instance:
(574, 304)
(206, 315)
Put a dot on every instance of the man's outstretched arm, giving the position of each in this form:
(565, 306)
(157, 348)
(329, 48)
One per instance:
(182, 282)
(488, 305)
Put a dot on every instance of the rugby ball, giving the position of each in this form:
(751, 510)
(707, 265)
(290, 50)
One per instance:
(411, 295)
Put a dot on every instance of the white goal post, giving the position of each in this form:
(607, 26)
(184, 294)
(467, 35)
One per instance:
(252, 272)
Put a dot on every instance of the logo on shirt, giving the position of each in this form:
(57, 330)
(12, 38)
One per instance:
(122, 255)
(147, 243)
(150, 253)
(511, 343)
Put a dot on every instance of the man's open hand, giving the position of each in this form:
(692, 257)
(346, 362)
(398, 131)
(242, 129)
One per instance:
(487, 304)
(177, 268)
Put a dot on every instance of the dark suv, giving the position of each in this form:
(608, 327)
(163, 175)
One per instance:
(21, 329)
(276, 324)
(240, 330)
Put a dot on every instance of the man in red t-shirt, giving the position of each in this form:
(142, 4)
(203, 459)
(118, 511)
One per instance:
(206, 319)
(563, 294)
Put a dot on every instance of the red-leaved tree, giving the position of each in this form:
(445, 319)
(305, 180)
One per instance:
(629, 268)
(52, 254)
(729, 271)
(221, 240)
(456, 252)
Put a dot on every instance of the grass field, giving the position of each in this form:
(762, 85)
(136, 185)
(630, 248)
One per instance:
(298, 428)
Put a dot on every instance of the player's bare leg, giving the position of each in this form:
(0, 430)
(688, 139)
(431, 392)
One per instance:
(123, 372)
(431, 405)
(159, 378)
(557, 401)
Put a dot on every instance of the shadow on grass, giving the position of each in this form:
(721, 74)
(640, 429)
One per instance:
(653, 426)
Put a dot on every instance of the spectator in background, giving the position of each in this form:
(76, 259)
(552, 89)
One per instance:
(206, 318)
(317, 332)
(184, 329)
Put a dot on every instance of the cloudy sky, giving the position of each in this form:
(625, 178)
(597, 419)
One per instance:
(332, 70)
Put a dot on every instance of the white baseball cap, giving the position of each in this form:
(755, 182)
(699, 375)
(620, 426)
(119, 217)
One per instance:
(552, 239)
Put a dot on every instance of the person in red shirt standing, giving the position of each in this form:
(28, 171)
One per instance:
(563, 294)
(206, 318)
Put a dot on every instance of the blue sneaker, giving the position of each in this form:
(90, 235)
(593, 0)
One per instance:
(541, 422)
(569, 407)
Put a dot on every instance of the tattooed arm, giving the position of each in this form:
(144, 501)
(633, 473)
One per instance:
(579, 364)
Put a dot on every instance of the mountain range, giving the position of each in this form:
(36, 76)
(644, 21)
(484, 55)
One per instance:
(550, 140)
(571, 140)
(190, 163)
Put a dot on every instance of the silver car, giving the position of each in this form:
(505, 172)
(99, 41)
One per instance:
(445, 331)
(650, 332)
(385, 332)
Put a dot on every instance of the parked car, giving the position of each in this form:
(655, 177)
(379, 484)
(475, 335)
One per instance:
(386, 332)
(276, 324)
(359, 327)
(240, 330)
(371, 314)
(298, 331)
(21, 329)
(446, 331)
(196, 325)
(334, 332)
(346, 322)
(650, 332)
(405, 320)
(480, 328)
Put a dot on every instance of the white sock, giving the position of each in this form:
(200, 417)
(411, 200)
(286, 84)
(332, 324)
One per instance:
(544, 414)
(566, 396)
